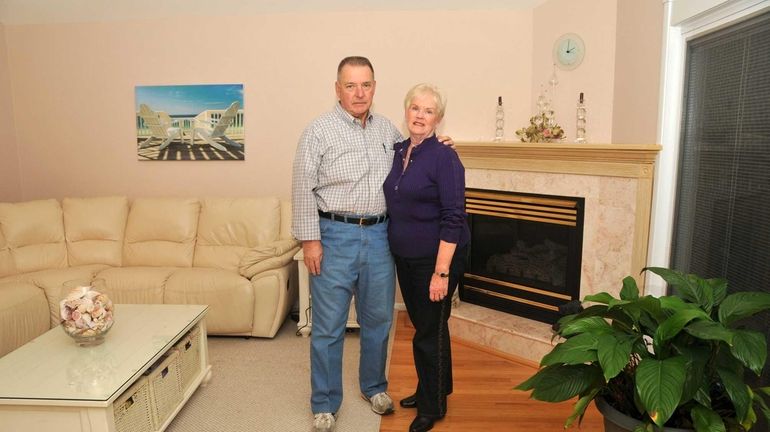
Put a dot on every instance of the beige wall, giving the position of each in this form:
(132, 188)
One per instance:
(639, 44)
(10, 188)
(595, 22)
(73, 85)
(620, 74)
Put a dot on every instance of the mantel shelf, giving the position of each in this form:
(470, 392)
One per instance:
(619, 160)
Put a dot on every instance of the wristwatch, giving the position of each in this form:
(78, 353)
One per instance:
(441, 274)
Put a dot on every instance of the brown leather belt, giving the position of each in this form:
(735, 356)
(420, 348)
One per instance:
(366, 220)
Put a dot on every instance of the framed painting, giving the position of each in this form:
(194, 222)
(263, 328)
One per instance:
(190, 122)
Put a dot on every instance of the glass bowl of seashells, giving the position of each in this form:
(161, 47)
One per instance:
(86, 311)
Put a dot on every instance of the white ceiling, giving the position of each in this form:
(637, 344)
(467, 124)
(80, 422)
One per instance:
(62, 11)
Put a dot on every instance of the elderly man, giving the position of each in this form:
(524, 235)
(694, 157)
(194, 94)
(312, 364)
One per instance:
(339, 215)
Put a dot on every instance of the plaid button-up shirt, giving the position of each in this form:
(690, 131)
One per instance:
(339, 168)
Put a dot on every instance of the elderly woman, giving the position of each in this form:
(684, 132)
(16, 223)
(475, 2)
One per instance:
(428, 235)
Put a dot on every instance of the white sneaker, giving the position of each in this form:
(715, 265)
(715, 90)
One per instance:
(382, 404)
(323, 422)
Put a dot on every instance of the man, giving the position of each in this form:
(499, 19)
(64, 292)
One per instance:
(339, 215)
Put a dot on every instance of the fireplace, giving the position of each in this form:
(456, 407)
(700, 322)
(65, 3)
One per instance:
(525, 252)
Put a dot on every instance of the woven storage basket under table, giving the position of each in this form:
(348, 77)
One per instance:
(133, 409)
(165, 387)
(189, 356)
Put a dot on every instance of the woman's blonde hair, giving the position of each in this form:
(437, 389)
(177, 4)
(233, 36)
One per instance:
(427, 89)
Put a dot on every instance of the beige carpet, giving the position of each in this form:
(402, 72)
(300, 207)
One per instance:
(263, 385)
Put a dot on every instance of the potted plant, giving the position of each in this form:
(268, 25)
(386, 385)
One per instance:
(679, 361)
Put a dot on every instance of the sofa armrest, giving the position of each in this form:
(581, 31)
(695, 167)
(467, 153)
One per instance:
(267, 257)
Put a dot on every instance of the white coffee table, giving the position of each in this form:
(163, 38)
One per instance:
(51, 384)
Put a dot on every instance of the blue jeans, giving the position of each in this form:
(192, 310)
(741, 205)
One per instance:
(356, 261)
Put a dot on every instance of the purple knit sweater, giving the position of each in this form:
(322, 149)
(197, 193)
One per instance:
(426, 203)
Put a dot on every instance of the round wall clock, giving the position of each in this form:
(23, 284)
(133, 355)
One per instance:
(568, 51)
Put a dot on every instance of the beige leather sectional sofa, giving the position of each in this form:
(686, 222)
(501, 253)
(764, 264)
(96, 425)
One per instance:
(234, 255)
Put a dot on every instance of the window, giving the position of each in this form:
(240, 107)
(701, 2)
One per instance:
(722, 221)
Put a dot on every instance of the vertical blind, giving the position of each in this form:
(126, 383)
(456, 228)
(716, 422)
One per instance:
(722, 222)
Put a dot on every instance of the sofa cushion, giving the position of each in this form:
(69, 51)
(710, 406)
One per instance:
(34, 232)
(94, 229)
(229, 227)
(23, 315)
(136, 285)
(160, 232)
(267, 257)
(230, 297)
(6, 260)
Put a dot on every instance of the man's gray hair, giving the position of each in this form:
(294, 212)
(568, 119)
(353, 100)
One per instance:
(354, 61)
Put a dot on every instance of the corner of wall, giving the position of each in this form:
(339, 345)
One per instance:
(638, 57)
(10, 175)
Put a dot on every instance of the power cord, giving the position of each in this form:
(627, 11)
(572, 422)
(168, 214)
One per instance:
(307, 321)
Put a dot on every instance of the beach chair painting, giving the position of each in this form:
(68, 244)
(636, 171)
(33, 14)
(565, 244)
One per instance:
(210, 131)
(190, 122)
(161, 128)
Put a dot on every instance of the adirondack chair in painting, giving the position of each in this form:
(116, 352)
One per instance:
(212, 131)
(161, 127)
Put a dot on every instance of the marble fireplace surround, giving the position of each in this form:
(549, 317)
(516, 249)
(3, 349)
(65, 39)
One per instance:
(616, 182)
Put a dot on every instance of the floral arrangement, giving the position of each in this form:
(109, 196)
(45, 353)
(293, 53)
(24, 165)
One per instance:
(542, 128)
(86, 312)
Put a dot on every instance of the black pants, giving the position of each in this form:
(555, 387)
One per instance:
(430, 345)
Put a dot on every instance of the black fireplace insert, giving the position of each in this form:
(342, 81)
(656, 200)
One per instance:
(525, 252)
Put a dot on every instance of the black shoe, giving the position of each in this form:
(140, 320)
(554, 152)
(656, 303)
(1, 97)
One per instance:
(421, 424)
(409, 401)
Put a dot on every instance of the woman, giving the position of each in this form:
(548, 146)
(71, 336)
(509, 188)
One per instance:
(428, 234)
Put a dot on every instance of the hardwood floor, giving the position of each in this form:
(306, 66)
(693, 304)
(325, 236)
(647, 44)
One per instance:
(484, 399)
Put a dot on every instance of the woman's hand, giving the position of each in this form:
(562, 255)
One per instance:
(438, 288)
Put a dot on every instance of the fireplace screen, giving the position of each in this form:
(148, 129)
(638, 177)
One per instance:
(525, 252)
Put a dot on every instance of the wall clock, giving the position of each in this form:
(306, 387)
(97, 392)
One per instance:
(568, 51)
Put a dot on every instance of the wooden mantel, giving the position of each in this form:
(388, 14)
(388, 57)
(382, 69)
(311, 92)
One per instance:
(628, 161)
(618, 160)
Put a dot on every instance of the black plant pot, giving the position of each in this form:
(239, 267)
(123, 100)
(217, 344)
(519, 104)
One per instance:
(616, 421)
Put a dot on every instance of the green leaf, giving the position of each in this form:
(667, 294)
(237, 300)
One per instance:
(680, 282)
(594, 324)
(653, 313)
(675, 323)
(580, 407)
(762, 405)
(558, 383)
(675, 304)
(602, 297)
(706, 420)
(705, 292)
(630, 290)
(614, 352)
(741, 305)
(738, 391)
(750, 348)
(710, 330)
(575, 350)
(659, 384)
(702, 396)
(751, 418)
(696, 384)
(719, 287)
